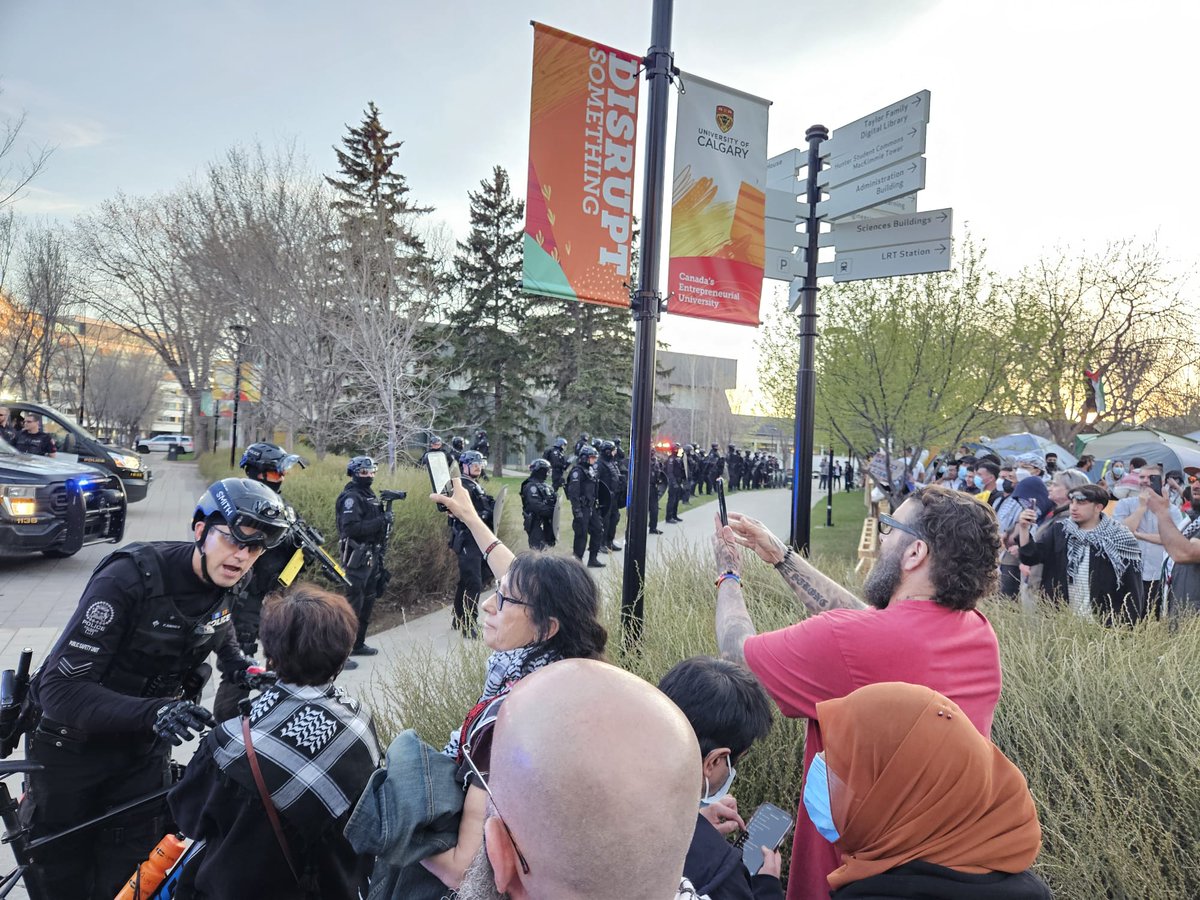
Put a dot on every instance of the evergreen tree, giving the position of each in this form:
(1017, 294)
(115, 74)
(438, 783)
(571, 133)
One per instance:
(497, 344)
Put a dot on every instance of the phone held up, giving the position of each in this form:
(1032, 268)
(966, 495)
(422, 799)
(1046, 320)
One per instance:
(767, 828)
(724, 513)
(439, 473)
(1156, 483)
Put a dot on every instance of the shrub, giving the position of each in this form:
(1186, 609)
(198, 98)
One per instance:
(423, 568)
(1104, 723)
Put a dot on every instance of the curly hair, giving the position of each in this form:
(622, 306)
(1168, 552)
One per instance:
(559, 587)
(964, 545)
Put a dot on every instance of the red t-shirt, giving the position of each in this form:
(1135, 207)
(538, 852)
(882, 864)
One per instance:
(833, 654)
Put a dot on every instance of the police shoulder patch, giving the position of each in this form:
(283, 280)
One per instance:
(349, 504)
(97, 618)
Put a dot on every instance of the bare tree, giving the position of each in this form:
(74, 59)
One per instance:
(49, 288)
(122, 390)
(15, 175)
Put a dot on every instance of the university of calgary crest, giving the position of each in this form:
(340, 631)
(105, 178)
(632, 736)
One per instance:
(724, 118)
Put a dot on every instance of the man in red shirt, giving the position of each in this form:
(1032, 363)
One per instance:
(938, 558)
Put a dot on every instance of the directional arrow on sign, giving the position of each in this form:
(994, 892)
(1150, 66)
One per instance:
(880, 126)
(894, 181)
(869, 155)
(908, 228)
(885, 262)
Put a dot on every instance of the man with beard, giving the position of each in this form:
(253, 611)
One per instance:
(582, 722)
(919, 625)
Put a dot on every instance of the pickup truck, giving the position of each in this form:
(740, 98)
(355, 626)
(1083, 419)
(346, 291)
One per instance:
(56, 507)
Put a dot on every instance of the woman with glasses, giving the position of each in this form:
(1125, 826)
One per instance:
(546, 608)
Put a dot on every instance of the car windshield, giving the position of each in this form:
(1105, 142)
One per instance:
(64, 421)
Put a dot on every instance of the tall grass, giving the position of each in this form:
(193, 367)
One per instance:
(1105, 724)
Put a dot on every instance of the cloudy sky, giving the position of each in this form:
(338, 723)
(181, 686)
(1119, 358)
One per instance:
(1056, 122)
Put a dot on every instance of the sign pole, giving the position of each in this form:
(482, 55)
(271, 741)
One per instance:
(646, 308)
(806, 376)
(829, 495)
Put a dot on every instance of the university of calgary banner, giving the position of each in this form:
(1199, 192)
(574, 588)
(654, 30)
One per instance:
(718, 204)
(579, 202)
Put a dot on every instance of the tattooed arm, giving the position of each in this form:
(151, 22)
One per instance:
(816, 591)
(733, 619)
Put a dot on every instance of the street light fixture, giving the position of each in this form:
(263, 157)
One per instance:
(239, 332)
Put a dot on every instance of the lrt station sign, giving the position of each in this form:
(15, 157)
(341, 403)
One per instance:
(872, 170)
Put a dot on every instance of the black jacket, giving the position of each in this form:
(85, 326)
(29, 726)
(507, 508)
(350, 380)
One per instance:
(1115, 602)
(359, 514)
(537, 497)
(714, 867)
(925, 881)
(582, 488)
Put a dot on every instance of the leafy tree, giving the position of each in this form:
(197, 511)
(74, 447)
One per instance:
(496, 341)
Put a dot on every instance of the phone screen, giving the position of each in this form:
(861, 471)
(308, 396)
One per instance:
(767, 828)
(721, 501)
(1156, 483)
(439, 473)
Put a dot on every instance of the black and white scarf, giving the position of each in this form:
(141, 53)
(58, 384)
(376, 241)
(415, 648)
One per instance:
(1109, 538)
(316, 748)
(504, 669)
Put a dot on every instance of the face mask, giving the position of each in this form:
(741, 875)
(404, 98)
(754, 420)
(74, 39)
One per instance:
(708, 799)
(816, 799)
(1118, 471)
(1001, 485)
(978, 483)
(366, 480)
(1022, 474)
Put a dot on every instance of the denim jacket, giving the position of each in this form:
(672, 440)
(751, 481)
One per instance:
(409, 811)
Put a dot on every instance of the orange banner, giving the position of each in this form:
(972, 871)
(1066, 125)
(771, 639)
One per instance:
(718, 206)
(582, 138)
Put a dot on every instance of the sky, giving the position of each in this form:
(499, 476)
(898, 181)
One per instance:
(1057, 123)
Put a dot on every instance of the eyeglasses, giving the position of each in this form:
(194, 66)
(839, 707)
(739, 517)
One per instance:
(1077, 497)
(492, 797)
(255, 546)
(887, 524)
(502, 598)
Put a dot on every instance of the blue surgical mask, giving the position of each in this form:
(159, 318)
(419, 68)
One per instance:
(978, 483)
(816, 799)
(1118, 471)
(709, 799)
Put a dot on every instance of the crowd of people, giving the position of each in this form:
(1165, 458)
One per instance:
(1119, 543)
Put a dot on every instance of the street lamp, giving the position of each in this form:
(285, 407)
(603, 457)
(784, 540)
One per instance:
(239, 336)
(82, 369)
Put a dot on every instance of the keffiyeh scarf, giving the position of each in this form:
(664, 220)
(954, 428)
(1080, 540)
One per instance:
(316, 748)
(504, 669)
(1110, 538)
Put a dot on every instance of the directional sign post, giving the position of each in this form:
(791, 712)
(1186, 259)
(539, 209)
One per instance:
(881, 129)
(909, 228)
(886, 262)
(904, 177)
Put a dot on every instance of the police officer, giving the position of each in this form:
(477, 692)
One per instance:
(457, 446)
(658, 484)
(31, 438)
(470, 557)
(111, 694)
(362, 528)
(618, 453)
(733, 465)
(436, 446)
(8, 430)
(582, 491)
(611, 494)
(714, 468)
(537, 506)
(557, 458)
(585, 440)
(267, 464)
(481, 445)
(676, 479)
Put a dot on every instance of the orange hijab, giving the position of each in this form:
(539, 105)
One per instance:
(910, 778)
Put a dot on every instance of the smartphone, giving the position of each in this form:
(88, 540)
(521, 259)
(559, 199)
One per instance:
(1156, 483)
(767, 828)
(721, 501)
(439, 473)
(1026, 502)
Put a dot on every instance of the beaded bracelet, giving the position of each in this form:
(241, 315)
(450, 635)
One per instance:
(728, 576)
(490, 547)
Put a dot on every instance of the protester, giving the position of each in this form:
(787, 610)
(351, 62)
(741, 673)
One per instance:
(593, 791)
(1182, 546)
(1029, 493)
(918, 803)
(1090, 561)
(313, 750)
(937, 561)
(984, 479)
(729, 710)
(1058, 488)
(545, 609)
(1134, 513)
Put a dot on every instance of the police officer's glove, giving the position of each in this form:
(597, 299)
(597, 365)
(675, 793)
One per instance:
(251, 676)
(176, 721)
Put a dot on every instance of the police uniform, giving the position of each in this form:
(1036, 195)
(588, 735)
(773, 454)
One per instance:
(144, 622)
(362, 526)
(558, 465)
(537, 507)
(612, 495)
(41, 443)
(582, 487)
(658, 484)
(470, 558)
(676, 479)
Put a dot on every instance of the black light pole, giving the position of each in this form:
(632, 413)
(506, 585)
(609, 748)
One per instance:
(806, 376)
(239, 335)
(82, 372)
(646, 308)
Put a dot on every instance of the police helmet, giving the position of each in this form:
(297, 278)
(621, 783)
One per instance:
(585, 437)
(458, 443)
(689, 448)
(470, 458)
(360, 464)
(607, 447)
(617, 441)
(587, 450)
(480, 433)
(268, 462)
(254, 513)
(715, 446)
(560, 442)
(434, 441)
(539, 465)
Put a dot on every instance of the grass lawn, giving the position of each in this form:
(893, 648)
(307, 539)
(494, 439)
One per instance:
(841, 541)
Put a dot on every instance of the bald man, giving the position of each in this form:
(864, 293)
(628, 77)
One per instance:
(594, 774)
